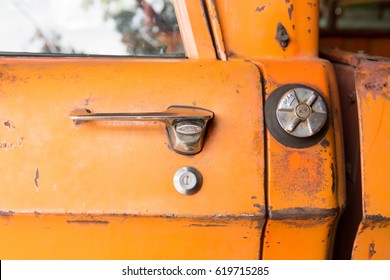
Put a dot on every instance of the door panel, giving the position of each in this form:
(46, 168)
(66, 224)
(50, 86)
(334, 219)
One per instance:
(127, 237)
(53, 166)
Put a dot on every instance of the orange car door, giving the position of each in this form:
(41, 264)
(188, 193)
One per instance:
(76, 188)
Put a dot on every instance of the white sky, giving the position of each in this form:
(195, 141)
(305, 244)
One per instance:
(84, 30)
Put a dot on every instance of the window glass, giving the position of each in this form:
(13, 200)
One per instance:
(90, 27)
(355, 14)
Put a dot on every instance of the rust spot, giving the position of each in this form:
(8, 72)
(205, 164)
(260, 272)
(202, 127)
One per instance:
(7, 77)
(282, 36)
(8, 124)
(333, 178)
(207, 225)
(308, 18)
(375, 85)
(253, 197)
(232, 54)
(6, 213)
(260, 207)
(371, 250)
(374, 79)
(309, 31)
(296, 176)
(325, 143)
(260, 9)
(287, 1)
(88, 221)
(377, 218)
(303, 213)
(36, 178)
(290, 11)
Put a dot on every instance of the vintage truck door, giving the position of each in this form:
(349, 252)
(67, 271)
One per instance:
(81, 189)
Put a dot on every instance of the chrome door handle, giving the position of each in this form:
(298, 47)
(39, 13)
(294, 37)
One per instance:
(185, 126)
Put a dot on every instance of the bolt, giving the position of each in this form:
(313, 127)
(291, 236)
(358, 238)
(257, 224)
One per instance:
(282, 36)
(301, 112)
(187, 180)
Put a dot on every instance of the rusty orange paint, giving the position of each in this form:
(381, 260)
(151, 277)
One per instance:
(126, 237)
(249, 27)
(299, 239)
(363, 82)
(52, 165)
(372, 240)
(304, 184)
(373, 100)
(216, 29)
(193, 24)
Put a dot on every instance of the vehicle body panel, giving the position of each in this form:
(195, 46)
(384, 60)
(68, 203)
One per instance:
(250, 27)
(363, 82)
(52, 165)
(373, 92)
(305, 186)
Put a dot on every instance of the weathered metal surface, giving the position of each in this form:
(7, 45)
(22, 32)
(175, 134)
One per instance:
(302, 213)
(194, 30)
(299, 239)
(216, 30)
(74, 236)
(365, 81)
(99, 168)
(373, 100)
(372, 240)
(305, 186)
(263, 28)
(302, 112)
(348, 58)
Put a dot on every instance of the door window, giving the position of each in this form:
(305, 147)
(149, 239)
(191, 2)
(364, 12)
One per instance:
(90, 27)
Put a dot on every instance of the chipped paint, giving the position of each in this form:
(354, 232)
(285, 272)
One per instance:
(334, 180)
(261, 208)
(6, 213)
(216, 31)
(303, 213)
(9, 136)
(325, 143)
(371, 250)
(307, 180)
(290, 11)
(377, 218)
(88, 221)
(36, 179)
(207, 225)
(260, 9)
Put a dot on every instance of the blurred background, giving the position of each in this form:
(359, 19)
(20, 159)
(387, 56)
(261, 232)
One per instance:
(356, 25)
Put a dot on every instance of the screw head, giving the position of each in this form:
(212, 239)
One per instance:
(187, 180)
(301, 112)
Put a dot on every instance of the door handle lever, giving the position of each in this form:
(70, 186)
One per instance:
(185, 126)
